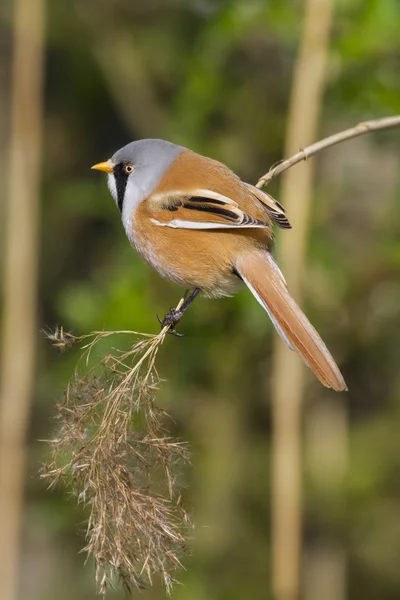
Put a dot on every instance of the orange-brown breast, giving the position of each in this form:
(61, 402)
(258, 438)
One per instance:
(198, 258)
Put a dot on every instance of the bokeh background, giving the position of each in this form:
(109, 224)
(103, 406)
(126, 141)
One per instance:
(216, 76)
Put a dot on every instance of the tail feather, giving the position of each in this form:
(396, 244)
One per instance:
(266, 282)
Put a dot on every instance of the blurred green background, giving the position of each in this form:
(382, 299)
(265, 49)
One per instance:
(216, 76)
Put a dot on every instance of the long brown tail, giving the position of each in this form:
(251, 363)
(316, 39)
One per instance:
(266, 282)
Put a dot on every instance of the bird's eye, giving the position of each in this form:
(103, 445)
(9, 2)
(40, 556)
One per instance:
(128, 169)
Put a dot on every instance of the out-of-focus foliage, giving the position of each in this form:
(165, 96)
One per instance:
(215, 75)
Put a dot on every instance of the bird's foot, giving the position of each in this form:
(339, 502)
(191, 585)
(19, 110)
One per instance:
(170, 320)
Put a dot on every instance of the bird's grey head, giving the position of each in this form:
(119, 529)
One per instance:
(137, 168)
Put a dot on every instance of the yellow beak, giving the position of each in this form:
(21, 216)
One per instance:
(106, 167)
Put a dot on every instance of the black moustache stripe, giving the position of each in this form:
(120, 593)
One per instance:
(121, 180)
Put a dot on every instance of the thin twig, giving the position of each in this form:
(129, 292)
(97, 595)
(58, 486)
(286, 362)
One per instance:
(332, 140)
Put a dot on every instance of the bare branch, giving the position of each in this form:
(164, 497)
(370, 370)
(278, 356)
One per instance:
(332, 140)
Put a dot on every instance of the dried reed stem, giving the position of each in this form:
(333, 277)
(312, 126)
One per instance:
(111, 449)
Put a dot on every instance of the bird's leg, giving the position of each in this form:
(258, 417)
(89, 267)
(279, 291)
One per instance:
(174, 316)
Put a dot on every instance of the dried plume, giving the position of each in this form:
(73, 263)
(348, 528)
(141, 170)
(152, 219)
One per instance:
(112, 451)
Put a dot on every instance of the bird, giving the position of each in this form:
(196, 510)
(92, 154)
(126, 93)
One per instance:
(198, 224)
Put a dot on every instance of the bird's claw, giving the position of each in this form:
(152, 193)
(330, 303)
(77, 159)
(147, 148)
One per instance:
(170, 320)
(174, 332)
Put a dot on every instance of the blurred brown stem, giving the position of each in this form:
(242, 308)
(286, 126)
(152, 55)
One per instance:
(326, 457)
(305, 107)
(332, 140)
(19, 279)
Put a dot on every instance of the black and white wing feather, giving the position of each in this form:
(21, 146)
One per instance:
(203, 209)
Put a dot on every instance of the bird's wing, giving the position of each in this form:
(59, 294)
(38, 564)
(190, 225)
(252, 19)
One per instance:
(274, 209)
(200, 209)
